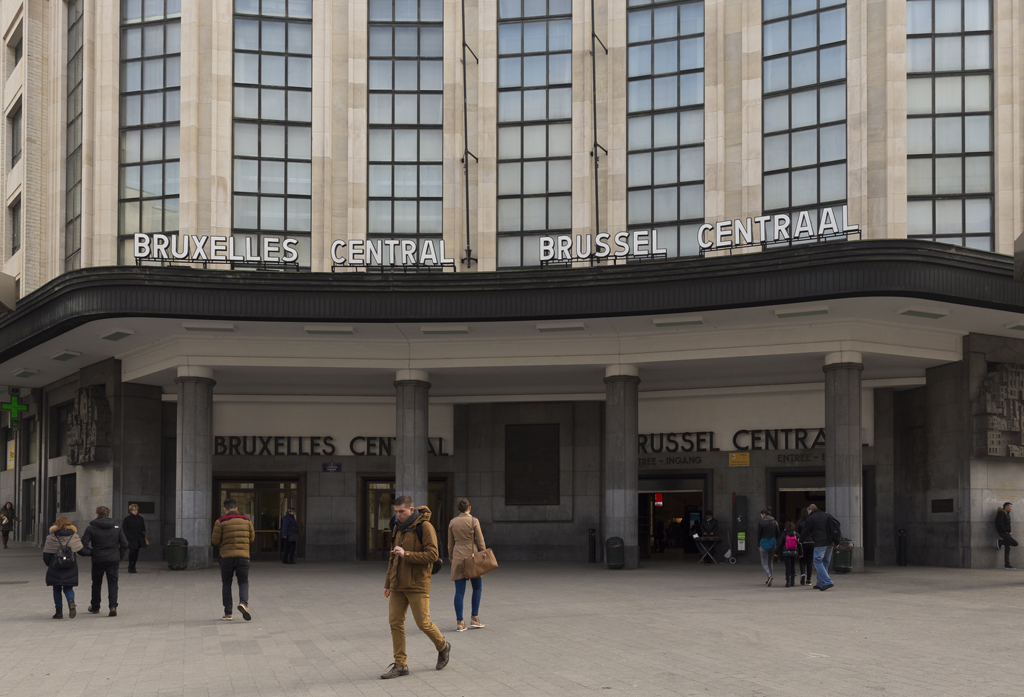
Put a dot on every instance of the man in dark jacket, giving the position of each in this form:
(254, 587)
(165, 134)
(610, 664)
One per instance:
(134, 527)
(708, 528)
(816, 529)
(108, 545)
(1003, 528)
(289, 537)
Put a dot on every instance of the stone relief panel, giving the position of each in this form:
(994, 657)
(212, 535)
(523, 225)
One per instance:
(1000, 414)
(89, 427)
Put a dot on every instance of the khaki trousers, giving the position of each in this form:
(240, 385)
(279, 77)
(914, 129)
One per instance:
(420, 603)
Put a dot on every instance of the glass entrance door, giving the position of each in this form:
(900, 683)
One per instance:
(378, 499)
(264, 502)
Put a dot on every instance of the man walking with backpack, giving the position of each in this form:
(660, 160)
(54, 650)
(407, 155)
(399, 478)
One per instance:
(108, 545)
(816, 527)
(407, 584)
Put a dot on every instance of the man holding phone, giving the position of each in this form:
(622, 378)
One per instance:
(407, 584)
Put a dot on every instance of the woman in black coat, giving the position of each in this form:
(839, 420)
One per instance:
(134, 527)
(62, 534)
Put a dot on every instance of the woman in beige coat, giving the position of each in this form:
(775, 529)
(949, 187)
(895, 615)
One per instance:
(464, 539)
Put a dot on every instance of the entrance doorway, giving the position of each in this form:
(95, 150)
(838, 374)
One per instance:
(264, 501)
(376, 501)
(28, 510)
(667, 508)
(795, 492)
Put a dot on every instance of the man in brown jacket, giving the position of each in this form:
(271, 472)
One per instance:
(233, 533)
(408, 582)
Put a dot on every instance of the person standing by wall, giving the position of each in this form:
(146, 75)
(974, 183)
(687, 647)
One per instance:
(767, 540)
(7, 521)
(407, 584)
(1003, 528)
(807, 549)
(232, 534)
(790, 549)
(816, 528)
(464, 539)
(289, 537)
(108, 545)
(134, 527)
(59, 550)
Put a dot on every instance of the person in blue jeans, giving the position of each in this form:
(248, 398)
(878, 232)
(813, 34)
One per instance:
(465, 539)
(62, 575)
(816, 529)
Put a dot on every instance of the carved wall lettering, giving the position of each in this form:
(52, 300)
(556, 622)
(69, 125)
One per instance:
(89, 427)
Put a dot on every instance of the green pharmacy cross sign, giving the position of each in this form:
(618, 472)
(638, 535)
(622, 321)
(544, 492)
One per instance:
(15, 407)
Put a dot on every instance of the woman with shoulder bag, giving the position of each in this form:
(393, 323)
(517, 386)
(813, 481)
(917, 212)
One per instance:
(59, 554)
(7, 521)
(465, 539)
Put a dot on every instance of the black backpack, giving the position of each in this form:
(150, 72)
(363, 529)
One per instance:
(64, 558)
(834, 529)
(438, 563)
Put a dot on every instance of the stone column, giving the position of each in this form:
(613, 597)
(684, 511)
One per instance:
(843, 485)
(412, 397)
(620, 460)
(194, 457)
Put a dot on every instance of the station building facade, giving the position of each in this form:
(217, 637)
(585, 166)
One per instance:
(599, 267)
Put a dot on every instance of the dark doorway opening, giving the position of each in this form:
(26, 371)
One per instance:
(264, 501)
(375, 511)
(664, 530)
(29, 521)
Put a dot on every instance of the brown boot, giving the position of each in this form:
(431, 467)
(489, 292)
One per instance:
(396, 671)
(442, 657)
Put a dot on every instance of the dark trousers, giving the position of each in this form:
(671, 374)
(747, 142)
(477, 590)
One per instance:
(234, 567)
(133, 558)
(807, 561)
(288, 548)
(790, 560)
(5, 535)
(99, 570)
(1007, 543)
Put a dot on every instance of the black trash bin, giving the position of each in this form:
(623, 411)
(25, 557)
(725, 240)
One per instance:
(842, 557)
(177, 554)
(615, 553)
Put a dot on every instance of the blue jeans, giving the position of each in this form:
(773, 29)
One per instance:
(822, 559)
(460, 594)
(69, 591)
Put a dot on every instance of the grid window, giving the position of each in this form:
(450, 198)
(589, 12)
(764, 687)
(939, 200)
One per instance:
(950, 158)
(665, 132)
(406, 83)
(73, 163)
(15, 128)
(804, 80)
(150, 120)
(534, 126)
(273, 159)
(16, 227)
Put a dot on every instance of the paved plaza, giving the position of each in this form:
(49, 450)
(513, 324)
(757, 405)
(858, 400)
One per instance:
(552, 629)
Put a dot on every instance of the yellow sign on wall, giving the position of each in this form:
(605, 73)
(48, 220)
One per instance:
(10, 454)
(739, 459)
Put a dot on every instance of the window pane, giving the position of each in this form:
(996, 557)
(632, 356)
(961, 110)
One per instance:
(948, 135)
(919, 136)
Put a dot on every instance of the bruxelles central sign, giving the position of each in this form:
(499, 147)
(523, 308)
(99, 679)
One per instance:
(801, 226)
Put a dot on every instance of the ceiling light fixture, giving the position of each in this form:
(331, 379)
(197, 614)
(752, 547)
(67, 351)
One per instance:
(561, 327)
(207, 327)
(25, 373)
(65, 355)
(679, 321)
(328, 330)
(441, 330)
(802, 312)
(117, 335)
(924, 312)
(1017, 326)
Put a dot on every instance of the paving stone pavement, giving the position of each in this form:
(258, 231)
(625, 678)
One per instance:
(552, 629)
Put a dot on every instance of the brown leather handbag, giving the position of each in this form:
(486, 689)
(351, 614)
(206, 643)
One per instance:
(476, 565)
